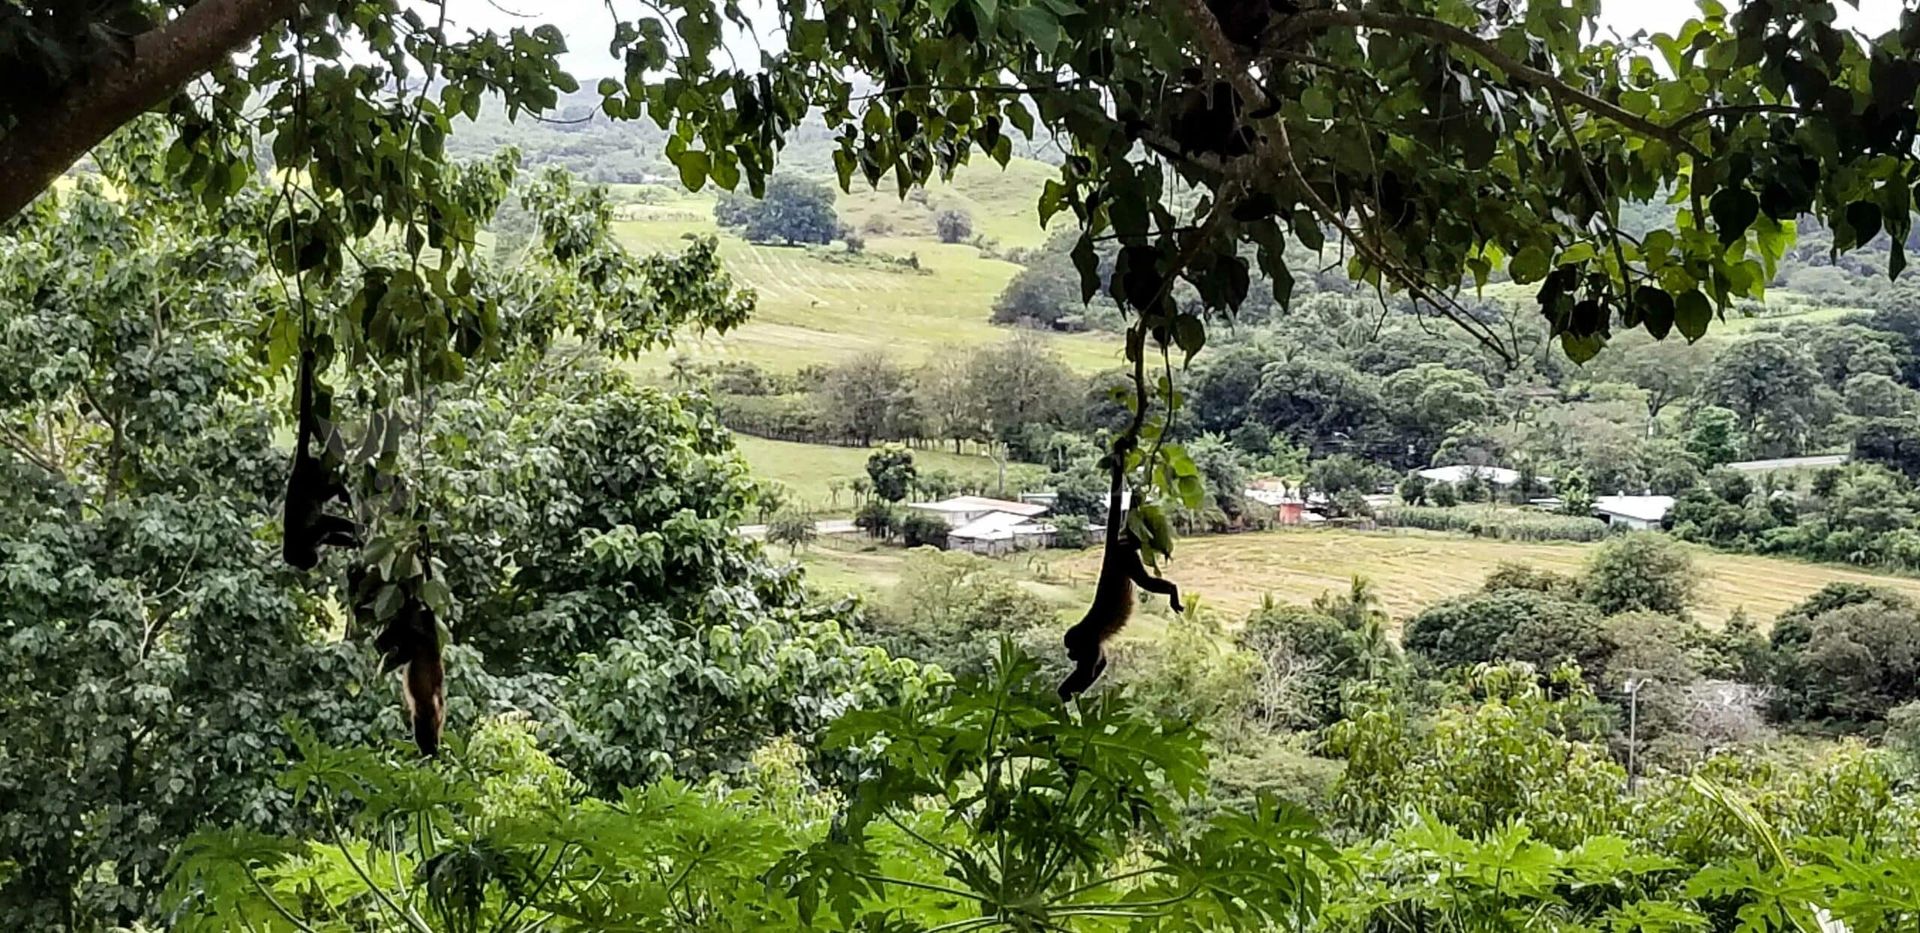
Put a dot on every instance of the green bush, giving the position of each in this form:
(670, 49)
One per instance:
(919, 528)
(1643, 570)
(1848, 663)
(948, 608)
(1521, 625)
(1515, 576)
(1505, 525)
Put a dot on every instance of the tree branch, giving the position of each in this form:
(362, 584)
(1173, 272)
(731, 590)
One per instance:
(1401, 24)
(1277, 147)
(50, 137)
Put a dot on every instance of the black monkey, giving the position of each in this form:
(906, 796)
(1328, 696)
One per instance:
(311, 484)
(1121, 569)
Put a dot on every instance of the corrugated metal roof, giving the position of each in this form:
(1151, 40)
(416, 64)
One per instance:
(980, 504)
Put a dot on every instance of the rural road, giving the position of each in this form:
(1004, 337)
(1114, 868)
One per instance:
(831, 526)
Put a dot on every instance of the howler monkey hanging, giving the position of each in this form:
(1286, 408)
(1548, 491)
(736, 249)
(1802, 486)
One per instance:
(311, 484)
(1121, 569)
(410, 643)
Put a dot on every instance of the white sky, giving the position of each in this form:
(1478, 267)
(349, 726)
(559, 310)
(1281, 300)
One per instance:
(588, 24)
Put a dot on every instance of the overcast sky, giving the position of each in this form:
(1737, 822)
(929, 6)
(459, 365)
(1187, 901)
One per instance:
(588, 25)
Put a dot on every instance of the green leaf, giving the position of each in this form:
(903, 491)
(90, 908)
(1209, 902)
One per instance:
(1864, 218)
(1053, 200)
(693, 168)
(1529, 265)
(1038, 25)
(1734, 209)
(1189, 334)
(1692, 312)
(1656, 310)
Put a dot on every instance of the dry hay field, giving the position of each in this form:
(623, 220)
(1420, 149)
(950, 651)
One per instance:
(1412, 570)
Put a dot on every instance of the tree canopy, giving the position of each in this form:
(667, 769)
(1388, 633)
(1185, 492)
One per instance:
(1443, 142)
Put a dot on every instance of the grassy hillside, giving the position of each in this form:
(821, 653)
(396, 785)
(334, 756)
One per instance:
(807, 470)
(1410, 570)
(822, 304)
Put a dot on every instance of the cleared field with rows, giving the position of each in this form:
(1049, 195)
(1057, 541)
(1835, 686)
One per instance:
(1414, 570)
(820, 304)
(1410, 570)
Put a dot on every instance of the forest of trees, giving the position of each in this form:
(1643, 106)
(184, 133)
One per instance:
(653, 723)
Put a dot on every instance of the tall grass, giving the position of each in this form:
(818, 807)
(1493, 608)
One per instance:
(1504, 525)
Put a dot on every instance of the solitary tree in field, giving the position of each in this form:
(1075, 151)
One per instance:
(794, 210)
(953, 225)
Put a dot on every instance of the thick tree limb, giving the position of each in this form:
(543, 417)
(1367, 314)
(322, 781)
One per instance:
(1309, 21)
(1276, 148)
(50, 137)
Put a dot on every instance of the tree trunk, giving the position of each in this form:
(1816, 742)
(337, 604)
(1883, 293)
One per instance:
(49, 138)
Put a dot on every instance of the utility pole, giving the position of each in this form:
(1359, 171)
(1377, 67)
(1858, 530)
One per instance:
(1633, 730)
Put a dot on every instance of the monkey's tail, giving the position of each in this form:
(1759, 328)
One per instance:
(427, 699)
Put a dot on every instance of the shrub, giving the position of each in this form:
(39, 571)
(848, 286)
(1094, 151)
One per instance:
(1853, 664)
(1643, 570)
(1513, 576)
(949, 606)
(792, 528)
(1300, 657)
(1491, 523)
(878, 518)
(1522, 625)
(918, 528)
(1070, 531)
(953, 225)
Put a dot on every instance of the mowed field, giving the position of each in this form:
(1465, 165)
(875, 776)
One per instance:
(1410, 570)
(807, 471)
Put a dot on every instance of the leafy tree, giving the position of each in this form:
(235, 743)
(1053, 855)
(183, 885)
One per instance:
(891, 469)
(1856, 663)
(1540, 628)
(953, 225)
(793, 528)
(1640, 571)
(1046, 291)
(1771, 386)
(943, 393)
(869, 397)
(1714, 438)
(918, 529)
(1315, 401)
(1668, 371)
(878, 518)
(1021, 384)
(1891, 441)
(793, 210)
(1876, 395)
(1844, 351)
(1430, 401)
(1342, 473)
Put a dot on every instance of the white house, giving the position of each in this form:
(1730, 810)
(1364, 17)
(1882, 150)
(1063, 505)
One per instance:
(960, 510)
(1497, 476)
(1636, 512)
(1000, 533)
(1790, 463)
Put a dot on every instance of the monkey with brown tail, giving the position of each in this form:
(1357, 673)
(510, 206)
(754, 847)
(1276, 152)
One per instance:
(410, 643)
(1121, 569)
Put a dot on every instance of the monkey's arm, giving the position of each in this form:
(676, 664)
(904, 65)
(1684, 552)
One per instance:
(1137, 570)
